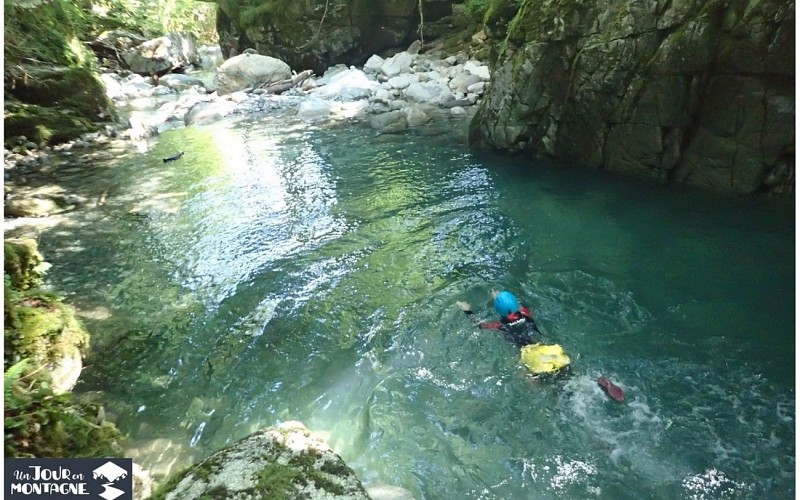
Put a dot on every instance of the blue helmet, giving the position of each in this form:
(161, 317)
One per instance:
(505, 303)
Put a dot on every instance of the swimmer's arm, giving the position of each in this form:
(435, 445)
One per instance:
(486, 325)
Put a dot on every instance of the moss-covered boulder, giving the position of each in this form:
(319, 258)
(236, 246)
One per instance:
(699, 92)
(46, 330)
(38, 326)
(51, 87)
(44, 124)
(283, 462)
(23, 264)
(43, 347)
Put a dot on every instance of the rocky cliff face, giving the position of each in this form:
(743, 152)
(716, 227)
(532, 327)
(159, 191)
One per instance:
(316, 34)
(692, 91)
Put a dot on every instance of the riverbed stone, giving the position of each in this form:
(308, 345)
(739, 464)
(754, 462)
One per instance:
(163, 54)
(373, 64)
(392, 121)
(398, 63)
(208, 112)
(250, 70)
(348, 85)
(314, 109)
(415, 117)
(180, 82)
(285, 461)
(30, 207)
(388, 492)
(402, 81)
(462, 80)
(429, 92)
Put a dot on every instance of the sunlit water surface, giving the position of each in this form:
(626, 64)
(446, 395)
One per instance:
(282, 271)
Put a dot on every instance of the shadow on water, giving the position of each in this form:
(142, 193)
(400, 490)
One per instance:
(283, 271)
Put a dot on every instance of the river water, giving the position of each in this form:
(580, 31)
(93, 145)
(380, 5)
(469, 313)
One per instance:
(285, 271)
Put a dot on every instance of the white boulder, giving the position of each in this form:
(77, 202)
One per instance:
(373, 64)
(477, 68)
(398, 63)
(348, 85)
(402, 81)
(250, 70)
(429, 92)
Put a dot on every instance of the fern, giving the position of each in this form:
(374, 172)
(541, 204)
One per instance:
(11, 377)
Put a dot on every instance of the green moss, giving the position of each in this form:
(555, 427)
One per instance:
(202, 471)
(267, 11)
(38, 326)
(276, 482)
(22, 263)
(207, 468)
(336, 468)
(46, 329)
(46, 32)
(42, 124)
(52, 92)
(76, 88)
(170, 484)
(320, 477)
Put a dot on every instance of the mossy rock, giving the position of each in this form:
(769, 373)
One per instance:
(46, 331)
(283, 462)
(74, 88)
(22, 263)
(45, 125)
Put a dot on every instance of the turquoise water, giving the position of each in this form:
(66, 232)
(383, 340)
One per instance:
(281, 271)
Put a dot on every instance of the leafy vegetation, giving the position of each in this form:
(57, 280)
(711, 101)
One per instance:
(261, 12)
(39, 423)
(37, 329)
(485, 10)
(153, 18)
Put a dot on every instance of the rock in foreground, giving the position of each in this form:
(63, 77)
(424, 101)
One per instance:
(286, 461)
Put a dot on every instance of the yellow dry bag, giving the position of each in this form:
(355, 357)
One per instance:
(540, 358)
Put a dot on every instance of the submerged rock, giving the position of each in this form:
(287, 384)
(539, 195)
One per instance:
(286, 461)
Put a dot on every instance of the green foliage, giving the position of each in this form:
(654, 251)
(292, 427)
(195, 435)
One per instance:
(265, 11)
(48, 32)
(153, 18)
(477, 8)
(486, 10)
(41, 424)
(22, 264)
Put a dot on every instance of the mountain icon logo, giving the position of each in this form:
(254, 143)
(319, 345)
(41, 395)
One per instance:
(110, 472)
